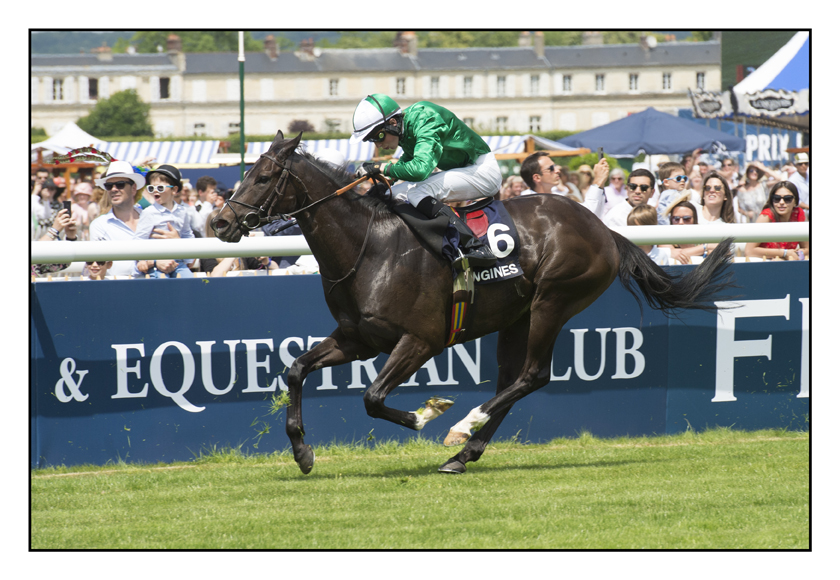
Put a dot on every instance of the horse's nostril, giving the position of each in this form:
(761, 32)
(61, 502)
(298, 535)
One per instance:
(221, 224)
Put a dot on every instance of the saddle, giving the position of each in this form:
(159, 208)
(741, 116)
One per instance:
(489, 221)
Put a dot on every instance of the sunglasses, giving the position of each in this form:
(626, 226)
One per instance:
(633, 186)
(158, 188)
(678, 178)
(550, 168)
(97, 263)
(687, 219)
(713, 188)
(376, 136)
(785, 198)
(117, 184)
(616, 178)
(802, 163)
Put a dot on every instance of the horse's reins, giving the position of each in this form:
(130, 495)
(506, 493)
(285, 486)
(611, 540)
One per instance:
(260, 214)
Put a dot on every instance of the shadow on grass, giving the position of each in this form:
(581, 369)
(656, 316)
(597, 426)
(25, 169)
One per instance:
(472, 468)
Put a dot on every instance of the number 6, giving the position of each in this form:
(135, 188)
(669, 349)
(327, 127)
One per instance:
(493, 240)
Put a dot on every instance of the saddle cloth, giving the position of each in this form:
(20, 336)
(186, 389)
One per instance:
(492, 224)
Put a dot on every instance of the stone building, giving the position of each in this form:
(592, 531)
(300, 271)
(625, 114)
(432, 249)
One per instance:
(528, 88)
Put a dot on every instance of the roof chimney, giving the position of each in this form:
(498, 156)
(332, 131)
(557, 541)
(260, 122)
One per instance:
(539, 44)
(406, 43)
(591, 37)
(270, 46)
(306, 50)
(103, 52)
(173, 43)
(524, 39)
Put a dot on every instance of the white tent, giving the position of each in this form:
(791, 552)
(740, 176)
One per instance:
(70, 137)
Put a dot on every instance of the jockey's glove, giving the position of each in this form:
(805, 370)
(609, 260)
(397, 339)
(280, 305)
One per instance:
(369, 169)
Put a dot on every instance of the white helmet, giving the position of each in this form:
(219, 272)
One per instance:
(371, 113)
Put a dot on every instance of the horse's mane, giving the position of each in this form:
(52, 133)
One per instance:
(340, 178)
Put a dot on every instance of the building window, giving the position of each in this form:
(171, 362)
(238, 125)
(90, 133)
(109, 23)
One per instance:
(200, 130)
(666, 81)
(468, 86)
(500, 86)
(535, 85)
(634, 82)
(164, 87)
(93, 89)
(567, 83)
(434, 87)
(501, 124)
(701, 80)
(534, 124)
(599, 83)
(233, 128)
(401, 86)
(333, 125)
(58, 90)
(333, 87)
(469, 122)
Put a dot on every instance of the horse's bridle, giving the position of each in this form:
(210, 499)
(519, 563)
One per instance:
(258, 216)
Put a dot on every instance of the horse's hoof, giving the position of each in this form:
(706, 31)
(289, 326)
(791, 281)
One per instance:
(432, 409)
(454, 438)
(439, 405)
(453, 466)
(307, 460)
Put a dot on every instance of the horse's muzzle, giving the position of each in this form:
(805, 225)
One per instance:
(225, 230)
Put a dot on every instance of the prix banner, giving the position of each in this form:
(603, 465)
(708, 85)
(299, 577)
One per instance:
(161, 370)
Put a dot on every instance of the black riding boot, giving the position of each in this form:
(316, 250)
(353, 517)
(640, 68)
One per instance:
(479, 255)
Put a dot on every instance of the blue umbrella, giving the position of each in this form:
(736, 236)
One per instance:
(654, 133)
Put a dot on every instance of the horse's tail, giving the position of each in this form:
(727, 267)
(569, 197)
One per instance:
(667, 292)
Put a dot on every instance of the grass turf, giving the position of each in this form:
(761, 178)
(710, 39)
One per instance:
(719, 489)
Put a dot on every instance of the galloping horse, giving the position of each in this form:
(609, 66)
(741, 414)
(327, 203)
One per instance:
(390, 294)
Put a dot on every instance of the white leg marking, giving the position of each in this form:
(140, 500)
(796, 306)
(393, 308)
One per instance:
(475, 420)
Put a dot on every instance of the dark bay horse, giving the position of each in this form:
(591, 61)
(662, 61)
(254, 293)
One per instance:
(390, 294)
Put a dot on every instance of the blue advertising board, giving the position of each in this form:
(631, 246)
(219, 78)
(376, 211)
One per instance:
(150, 370)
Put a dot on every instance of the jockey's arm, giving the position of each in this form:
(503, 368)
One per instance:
(427, 151)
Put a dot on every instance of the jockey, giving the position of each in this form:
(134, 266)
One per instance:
(431, 137)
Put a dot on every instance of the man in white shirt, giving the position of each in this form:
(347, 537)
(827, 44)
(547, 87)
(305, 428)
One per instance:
(802, 180)
(639, 189)
(205, 187)
(541, 174)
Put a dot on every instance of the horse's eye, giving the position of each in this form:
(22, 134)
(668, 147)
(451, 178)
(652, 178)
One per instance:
(263, 179)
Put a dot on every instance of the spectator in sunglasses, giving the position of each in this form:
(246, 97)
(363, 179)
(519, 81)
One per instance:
(782, 207)
(674, 181)
(96, 270)
(716, 201)
(683, 212)
(729, 170)
(164, 187)
(123, 190)
(639, 190)
(802, 180)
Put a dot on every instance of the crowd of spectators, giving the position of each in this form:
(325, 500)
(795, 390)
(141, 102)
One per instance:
(122, 203)
(696, 190)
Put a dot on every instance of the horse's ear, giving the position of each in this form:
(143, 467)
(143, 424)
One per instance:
(292, 144)
(279, 137)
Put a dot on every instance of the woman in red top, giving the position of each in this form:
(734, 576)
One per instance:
(782, 206)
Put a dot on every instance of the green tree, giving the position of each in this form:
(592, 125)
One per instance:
(699, 35)
(147, 41)
(122, 114)
(359, 39)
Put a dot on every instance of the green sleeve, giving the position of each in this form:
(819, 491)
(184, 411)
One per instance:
(428, 128)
